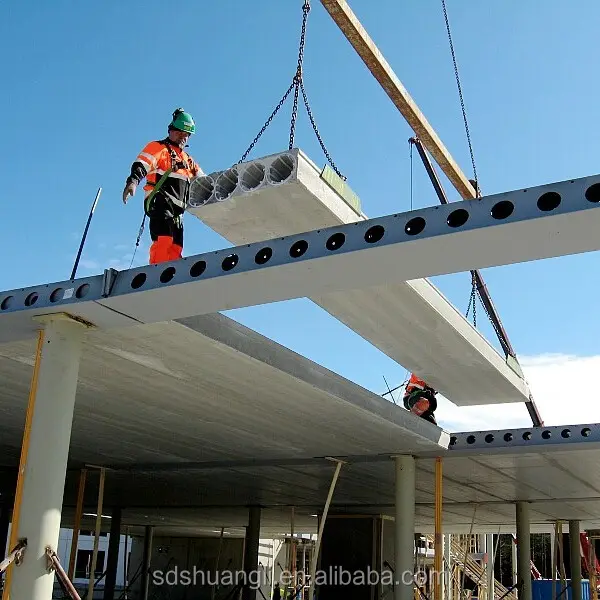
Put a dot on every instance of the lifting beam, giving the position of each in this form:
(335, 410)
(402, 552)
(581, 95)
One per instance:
(484, 293)
(351, 27)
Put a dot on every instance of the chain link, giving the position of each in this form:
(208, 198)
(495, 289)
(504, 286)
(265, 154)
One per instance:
(473, 300)
(267, 123)
(460, 94)
(316, 130)
(297, 85)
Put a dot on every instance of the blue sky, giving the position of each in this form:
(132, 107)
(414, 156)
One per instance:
(88, 84)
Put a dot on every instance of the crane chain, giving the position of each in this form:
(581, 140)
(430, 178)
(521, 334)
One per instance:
(298, 86)
(316, 130)
(473, 300)
(267, 123)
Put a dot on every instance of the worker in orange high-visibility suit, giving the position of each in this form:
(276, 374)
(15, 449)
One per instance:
(168, 170)
(419, 399)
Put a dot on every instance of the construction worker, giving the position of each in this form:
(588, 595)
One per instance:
(419, 399)
(168, 170)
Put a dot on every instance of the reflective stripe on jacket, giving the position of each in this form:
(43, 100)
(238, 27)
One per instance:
(154, 160)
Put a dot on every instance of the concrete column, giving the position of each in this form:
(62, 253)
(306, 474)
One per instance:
(112, 558)
(447, 567)
(490, 565)
(574, 547)
(39, 497)
(514, 563)
(146, 562)
(404, 527)
(523, 551)
(251, 549)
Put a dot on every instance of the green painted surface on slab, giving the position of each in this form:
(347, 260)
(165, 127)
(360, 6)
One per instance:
(341, 187)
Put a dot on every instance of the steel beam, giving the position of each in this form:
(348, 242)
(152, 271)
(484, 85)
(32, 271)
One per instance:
(542, 222)
(526, 439)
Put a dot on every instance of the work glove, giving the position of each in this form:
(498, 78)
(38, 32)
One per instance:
(128, 191)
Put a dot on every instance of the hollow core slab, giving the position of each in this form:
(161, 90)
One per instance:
(411, 322)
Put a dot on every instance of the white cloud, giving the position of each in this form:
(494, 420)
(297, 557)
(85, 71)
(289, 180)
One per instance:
(564, 388)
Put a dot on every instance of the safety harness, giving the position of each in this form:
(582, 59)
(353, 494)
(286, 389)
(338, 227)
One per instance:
(176, 164)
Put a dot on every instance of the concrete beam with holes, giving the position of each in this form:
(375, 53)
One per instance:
(541, 222)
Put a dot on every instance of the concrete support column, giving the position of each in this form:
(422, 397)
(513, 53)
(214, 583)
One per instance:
(490, 565)
(514, 563)
(146, 562)
(39, 497)
(112, 558)
(404, 527)
(447, 567)
(523, 551)
(251, 549)
(574, 547)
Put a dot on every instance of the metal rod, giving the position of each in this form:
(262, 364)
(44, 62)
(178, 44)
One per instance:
(60, 572)
(484, 293)
(315, 556)
(85, 232)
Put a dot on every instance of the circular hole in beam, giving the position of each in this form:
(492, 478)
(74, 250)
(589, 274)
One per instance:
(548, 201)
(82, 290)
(586, 432)
(263, 256)
(229, 262)
(415, 226)
(502, 210)
(471, 439)
(167, 274)
(7, 302)
(31, 299)
(335, 241)
(566, 433)
(592, 194)
(138, 281)
(197, 268)
(457, 218)
(508, 437)
(546, 435)
(527, 435)
(374, 234)
(56, 295)
(489, 438)
(298, 248)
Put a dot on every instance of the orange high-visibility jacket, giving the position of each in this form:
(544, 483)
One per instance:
(154, 160)
(414, 383)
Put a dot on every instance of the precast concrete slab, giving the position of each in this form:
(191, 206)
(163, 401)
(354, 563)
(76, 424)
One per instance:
(479, 489)
(411, 322)
(207, 388)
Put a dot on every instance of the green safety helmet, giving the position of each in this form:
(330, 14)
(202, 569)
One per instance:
(183, 121)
